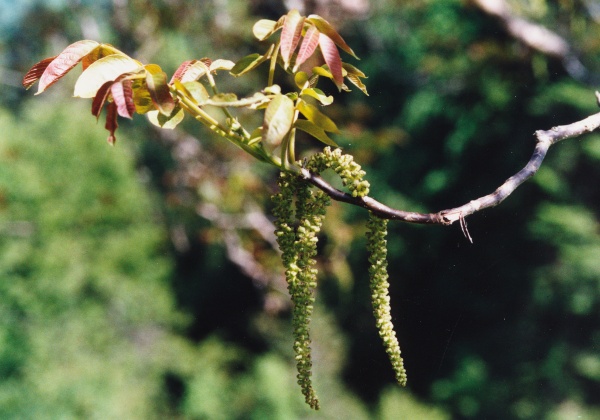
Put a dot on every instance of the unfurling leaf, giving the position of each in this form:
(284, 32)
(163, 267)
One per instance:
(319, 95)
(111, 122)
(183, 67)
(194, 90)
(100, 98)
(332, 58)
(60, 65)
(317, 117)
(192, 70)
(301, 79)
(141, 97)
(99, 52)
(250, 62)
(264, 28)
(316, 132)
(355, 80)
(308, 46)
(322, 71)
(221, 64)
(156, 81)
(290, 35)
(34, 73)
(166, 121)
(325, 28)
(122, 95)
(279, 117)
(106, 69)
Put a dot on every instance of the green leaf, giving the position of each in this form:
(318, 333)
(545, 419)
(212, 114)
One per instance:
(316, 132)
(325, 28)
(319, 95)
(301, 78)
(322, 71)
(103, 70)
(141, 97)
(156, 81)
(196, 91)
(264, 28)
(250, 62)
(355, 80)
(59, 66)
(221, 64)
(168, 122)
(350, 69)
(99, 52)
(278, 120)
(317, 117)
(231, 100)
(290, 35)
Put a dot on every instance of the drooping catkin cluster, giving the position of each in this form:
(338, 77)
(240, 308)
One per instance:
(379, 285)
(298, 242)
(349, 171)
(299, 212)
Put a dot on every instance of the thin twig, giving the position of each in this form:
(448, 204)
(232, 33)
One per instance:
(545, 139)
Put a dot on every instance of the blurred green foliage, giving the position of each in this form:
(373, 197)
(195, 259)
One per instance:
(119, 300)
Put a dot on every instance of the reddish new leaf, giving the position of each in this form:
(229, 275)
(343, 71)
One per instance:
(192, 70)
(64, 62)
(34, 73)
(181, 70)
(326, 28)
(290, 35)
(156, 81)
(308, 46)
(122, 94)
(111, 122)
(332, 58)
(100, 98)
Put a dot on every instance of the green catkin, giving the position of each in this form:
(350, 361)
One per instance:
(299, 247)
(297, 232)
(377, 248)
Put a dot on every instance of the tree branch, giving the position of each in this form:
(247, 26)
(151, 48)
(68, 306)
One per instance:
(535, 36)
(545, 139)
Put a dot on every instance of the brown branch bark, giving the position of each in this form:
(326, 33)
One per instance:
(545, 139)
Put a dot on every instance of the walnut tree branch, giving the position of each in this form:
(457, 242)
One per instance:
(545, 139)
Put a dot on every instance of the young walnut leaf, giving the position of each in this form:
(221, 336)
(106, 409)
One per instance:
(250, 62)
(279, 117)
(290, 35)
(191, 70)
(317, 117)
(332, 58)
(106, 69)
(308, 46)
(317, 132)
(57, 67)
(156, 81)
(325, 28)
(264, 28)
(111, 122)
(122, 94)
(34, 73)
